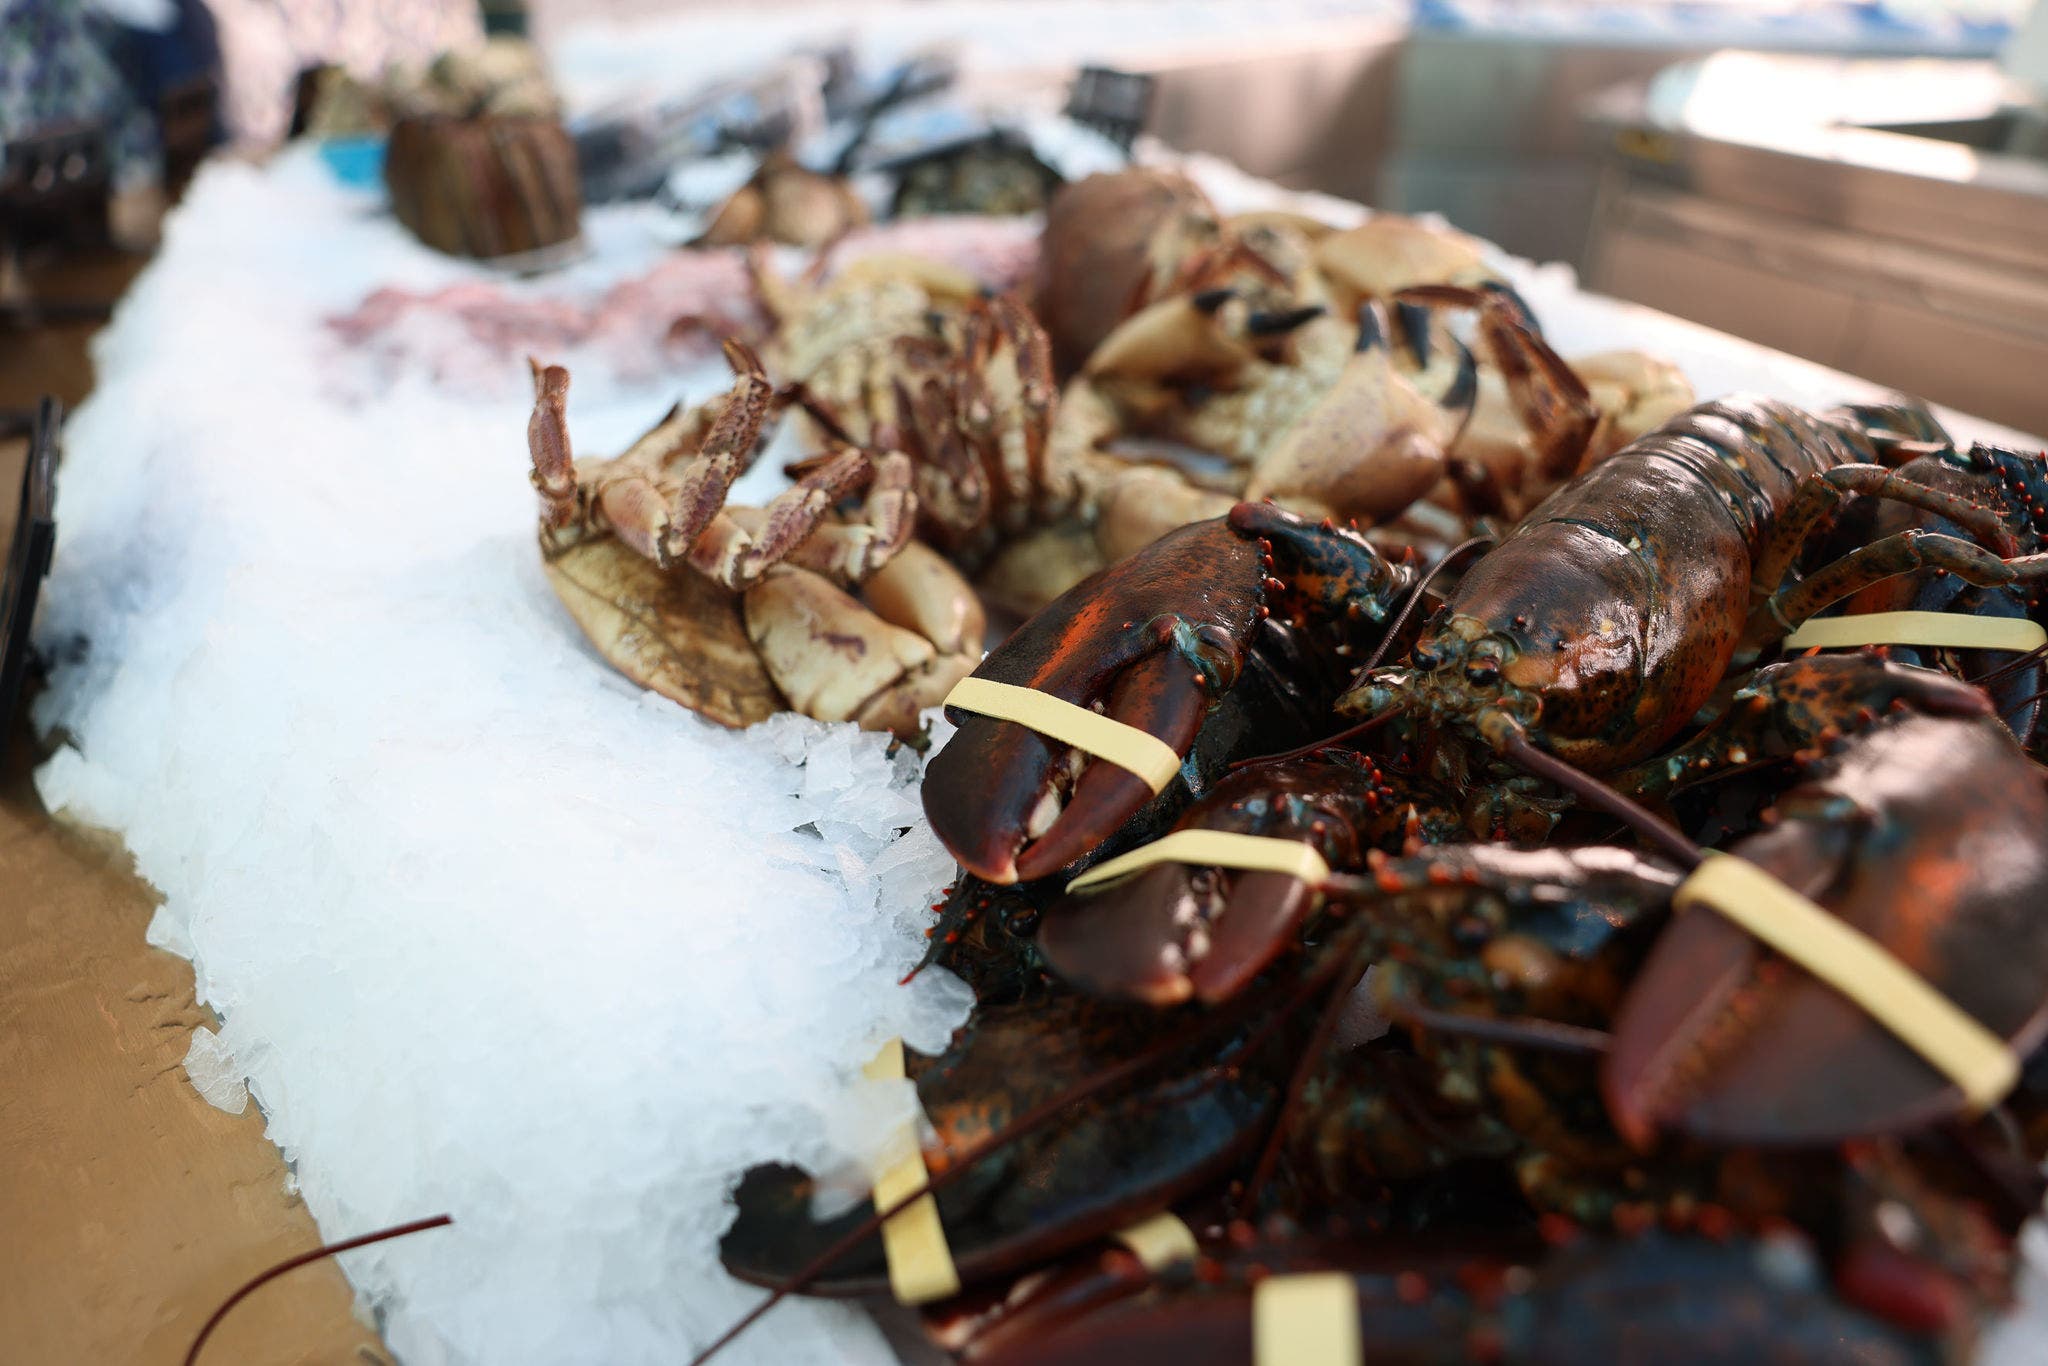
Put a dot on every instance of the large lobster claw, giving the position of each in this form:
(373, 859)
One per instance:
(1149, 641)
(1924, 834)
(1095, 1167)
(1176, 931)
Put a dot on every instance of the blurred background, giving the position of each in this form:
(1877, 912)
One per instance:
(1860, 182)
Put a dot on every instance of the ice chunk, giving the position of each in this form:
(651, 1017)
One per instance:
(166, 931)
(214, 1072)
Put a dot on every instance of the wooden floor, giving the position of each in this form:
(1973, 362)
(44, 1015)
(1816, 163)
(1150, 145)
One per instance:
(129, 1208)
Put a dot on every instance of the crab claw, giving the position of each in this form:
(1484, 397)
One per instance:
(1176, 931)
(1371, 446)
(1150, 641)
(1183, 337)
(1924, 834)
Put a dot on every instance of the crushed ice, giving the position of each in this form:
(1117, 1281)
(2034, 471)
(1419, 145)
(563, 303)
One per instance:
(489, 930)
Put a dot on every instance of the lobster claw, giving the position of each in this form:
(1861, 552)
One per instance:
(1171, 933)
(1176, 931)
(1088, 1169)
(1150, 642)
(1924, 836)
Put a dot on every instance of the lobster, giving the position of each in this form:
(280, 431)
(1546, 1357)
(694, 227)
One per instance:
(1514, 978)
(1196, 1105)
(2013, 482)
(1655, 1298)
(1594, 632)
(1161, 640)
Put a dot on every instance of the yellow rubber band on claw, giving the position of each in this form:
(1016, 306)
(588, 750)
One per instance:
(1856, 965)
(920, 1261)
(1942, 629)
(1160, 1241)
(1306, 1321)
(1141, 752)
(1212, 849)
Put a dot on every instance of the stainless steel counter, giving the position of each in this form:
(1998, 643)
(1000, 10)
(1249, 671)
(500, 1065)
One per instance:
(1861, 213)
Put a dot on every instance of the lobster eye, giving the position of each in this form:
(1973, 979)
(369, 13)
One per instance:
(1425, 658)
(1483, 673)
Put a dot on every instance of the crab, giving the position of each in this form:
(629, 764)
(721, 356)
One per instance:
(737, 612)
(1320, 368)
(785, 201)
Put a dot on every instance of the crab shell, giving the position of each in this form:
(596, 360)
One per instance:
(1109, 241)
(785, 202)
(1388, 253)
(792, 641)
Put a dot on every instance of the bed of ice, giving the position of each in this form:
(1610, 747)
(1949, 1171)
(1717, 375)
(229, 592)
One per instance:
(489, 931)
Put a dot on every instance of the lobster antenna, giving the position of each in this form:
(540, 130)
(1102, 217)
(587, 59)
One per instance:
(2014, 1179)
(1414, 597)
(304, 1258)
(1317, 746)
(1034, 1119)
(2030, 697)
(1653, 828)
(2033, 656)
(1516, 1031)
(1304, 1068)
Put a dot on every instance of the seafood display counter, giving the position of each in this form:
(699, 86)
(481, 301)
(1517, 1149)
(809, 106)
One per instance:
(500, 922)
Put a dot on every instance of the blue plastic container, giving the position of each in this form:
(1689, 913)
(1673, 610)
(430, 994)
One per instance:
(356, 161)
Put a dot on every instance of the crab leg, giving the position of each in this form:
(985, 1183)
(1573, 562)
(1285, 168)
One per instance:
(1024, 389)
(547, 440)
(699, 492)
(740, 544)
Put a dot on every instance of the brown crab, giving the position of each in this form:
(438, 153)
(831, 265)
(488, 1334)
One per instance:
(785, 201)
(1319, 368)
(738, 612)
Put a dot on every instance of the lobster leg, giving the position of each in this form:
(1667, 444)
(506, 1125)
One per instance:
(1899, 554)
(1793, 705)
(1822, 495)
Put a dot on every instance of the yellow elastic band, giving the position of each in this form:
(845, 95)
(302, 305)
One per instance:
(1160, 1241)
(1143, 753)
(920, 1263)
(1860, 968)
(1945, 629)
(1213, 849)
(1306, 1321)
